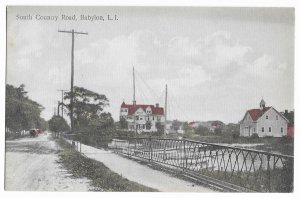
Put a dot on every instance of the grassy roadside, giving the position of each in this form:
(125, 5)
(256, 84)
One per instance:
(103, 179)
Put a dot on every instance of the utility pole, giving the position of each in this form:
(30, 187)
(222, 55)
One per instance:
(166, 105)
(58, 107)
(62, 101)
(72, 73)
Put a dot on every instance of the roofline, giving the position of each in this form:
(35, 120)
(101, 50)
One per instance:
(276, 112)
(245, 116)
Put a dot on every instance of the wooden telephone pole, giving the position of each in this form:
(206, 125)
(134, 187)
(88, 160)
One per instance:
(72, 73)
(62, 101)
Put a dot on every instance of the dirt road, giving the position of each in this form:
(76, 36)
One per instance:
(31, 165)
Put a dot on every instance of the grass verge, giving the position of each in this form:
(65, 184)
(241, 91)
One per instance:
(103, 179)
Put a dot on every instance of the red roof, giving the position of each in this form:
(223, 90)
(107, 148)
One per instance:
(257, 113)
(132, 108)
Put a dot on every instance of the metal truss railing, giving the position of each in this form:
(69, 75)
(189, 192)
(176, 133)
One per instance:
(252, 169)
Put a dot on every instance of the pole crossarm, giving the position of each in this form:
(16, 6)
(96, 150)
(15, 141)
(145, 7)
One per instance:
(65, 31)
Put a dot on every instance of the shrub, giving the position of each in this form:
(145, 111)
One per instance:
(254, 136)
(235, 134)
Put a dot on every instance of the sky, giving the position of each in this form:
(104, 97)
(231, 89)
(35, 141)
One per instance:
(217, 62)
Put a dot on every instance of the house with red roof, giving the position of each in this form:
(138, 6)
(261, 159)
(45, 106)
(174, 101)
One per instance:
(142, 117)
(265, 121)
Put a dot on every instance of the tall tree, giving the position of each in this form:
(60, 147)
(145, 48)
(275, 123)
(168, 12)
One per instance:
(21, 113)
(87, 105)
(58, 124)
(90, 120)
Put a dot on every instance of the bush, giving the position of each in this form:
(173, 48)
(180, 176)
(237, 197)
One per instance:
(218, 131)
(235, 134)
(254, 136)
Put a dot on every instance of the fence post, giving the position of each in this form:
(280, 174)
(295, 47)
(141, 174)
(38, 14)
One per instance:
(268, 174)
(150, 145)
(185, 157)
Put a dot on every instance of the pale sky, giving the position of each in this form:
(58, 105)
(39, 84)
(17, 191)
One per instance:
(217, 62)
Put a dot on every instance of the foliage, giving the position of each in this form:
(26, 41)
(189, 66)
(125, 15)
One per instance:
(123, 123)
(254, 136)
(175, 125)
(92, 125)
(42, 124)
(218, 131)
(58, 124)
(160, 128)
(202, 130)
(21, 113)
(235, 134)
(87, 105)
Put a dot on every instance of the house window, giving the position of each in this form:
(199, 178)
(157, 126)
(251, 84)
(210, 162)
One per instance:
(153, 117)
(281, 129)
(263, 129)
(141, 118)
(158, 118)
(277, 117)
(270, 129)
(267, 117)
(136, 117)
(125, 110)
(254, 130)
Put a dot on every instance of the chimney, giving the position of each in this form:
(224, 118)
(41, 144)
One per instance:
(156, 105)
(286, 111)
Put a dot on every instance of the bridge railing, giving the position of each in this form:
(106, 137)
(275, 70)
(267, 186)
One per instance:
(252, 169)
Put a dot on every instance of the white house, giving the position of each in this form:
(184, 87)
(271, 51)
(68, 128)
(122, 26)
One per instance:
(265, 121)
(142, 117)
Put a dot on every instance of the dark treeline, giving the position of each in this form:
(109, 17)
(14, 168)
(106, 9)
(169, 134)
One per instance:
(22, 113)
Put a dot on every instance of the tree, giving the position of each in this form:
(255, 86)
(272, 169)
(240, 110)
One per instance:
(160, 128)
(202, 130)
(94, 125)
(58, 124)
(123, 123)
(21, 113)
(175, 125)
(87, 106)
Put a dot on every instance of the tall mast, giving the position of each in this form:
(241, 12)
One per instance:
(166, 105)
(134, 102)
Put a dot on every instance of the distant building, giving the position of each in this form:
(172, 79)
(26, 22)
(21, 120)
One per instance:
(142, 117)
(265, 121)
(210, 125)
(170, 129)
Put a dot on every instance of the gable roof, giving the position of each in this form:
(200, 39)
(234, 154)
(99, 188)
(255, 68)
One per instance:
(258, 113)
(133, 108)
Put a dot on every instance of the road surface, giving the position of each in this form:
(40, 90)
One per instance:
(31, 165)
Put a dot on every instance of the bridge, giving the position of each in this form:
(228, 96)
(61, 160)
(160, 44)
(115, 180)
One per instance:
(225, 167)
